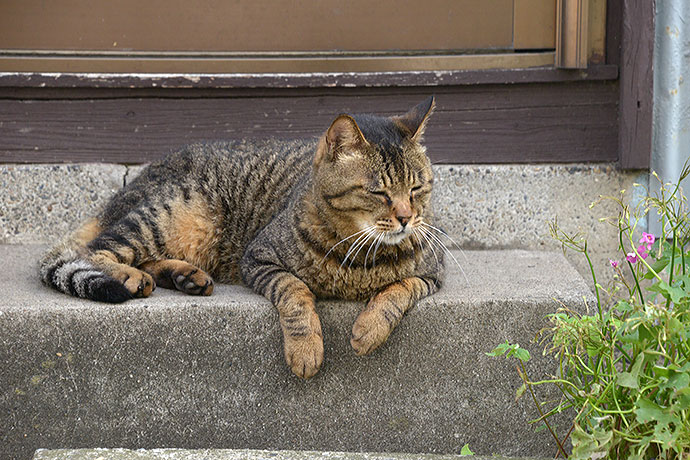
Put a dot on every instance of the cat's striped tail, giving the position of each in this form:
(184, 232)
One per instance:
(65, 270)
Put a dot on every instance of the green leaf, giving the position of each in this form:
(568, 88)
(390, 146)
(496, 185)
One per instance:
(521, 354)
(520, 391)
(664, 436)
(499, 350)
(685, 279)
(683, 396)
(512, 351)
(466, 450)
(646, 334)
(631, 379)
(623, 306)
(658, 266)
(647, 411)
(632, 337)
(675, 326)
(593, 343)
(660, 371)
(587, 446)
(677, 381)
(676, 294)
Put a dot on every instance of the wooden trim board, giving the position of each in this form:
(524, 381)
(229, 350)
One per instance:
(520, 123)
(11, 82)
(126, 63)
(636, 84)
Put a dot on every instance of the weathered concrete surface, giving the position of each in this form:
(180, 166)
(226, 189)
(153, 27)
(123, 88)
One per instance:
(509, 206)
(228, 454)
(480, 206)
(39, 203)
(180, 371)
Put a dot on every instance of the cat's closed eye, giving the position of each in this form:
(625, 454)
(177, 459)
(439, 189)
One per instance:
(382, 194)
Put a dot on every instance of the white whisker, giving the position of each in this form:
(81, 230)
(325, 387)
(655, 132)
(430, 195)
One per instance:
(360, 248)
(343, 240)
(373, 261)
(457, 246)
(354, 245)
(438, 241)
(371, 246)
(431, 246)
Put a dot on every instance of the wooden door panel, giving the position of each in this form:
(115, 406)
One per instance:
(256, 25)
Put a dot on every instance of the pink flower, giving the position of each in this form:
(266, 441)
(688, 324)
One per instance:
(648, 240)
(643, 252)
(631, 257)
(614, 263)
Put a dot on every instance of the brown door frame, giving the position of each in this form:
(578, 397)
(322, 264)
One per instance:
(635, 38)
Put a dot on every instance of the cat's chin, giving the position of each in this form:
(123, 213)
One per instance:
(392, 239)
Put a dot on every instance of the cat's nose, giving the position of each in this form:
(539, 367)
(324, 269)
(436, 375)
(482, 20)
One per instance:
(402, 210)
(403, 220)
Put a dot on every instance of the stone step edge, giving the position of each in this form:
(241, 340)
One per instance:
(243, 454)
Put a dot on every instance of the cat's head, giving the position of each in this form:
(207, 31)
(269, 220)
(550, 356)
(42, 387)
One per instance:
(372, 174)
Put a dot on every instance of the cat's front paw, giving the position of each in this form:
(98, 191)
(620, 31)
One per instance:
(304, 355)
(303, 343)
(370, 330)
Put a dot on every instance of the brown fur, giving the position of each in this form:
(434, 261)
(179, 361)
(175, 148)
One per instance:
(193, 234)
(345, 217)
(87, 232)
(180, 275)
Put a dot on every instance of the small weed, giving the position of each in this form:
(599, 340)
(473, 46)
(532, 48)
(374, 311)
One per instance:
(625, 370)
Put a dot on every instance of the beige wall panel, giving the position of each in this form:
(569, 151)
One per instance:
(255, 25)
(535, 24)
(597, 31)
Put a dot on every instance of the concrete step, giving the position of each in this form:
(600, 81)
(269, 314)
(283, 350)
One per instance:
(480, 206)
(188, 372)
(230, 454)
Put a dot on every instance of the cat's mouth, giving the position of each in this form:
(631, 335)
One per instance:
(393, 238)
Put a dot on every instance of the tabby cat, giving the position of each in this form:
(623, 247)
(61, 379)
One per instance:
(346, 217)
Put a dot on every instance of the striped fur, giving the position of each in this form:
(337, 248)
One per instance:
(346, 216)
(72, 275)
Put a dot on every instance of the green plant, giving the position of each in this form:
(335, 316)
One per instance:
(625, 370)
(466, 450)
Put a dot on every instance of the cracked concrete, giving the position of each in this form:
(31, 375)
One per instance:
(124, 178)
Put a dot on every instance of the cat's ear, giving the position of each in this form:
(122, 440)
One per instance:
(343, 134)
(414, 121)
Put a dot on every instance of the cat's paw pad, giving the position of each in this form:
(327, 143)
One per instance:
(370, 330)
(138, 283)
(304, 355)
(193, 281)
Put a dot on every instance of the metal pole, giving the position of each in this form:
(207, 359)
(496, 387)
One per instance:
(671, 125)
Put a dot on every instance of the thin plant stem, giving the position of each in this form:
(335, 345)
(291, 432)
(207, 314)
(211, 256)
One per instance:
(541, 414)
(632, 270)
(673, 261)
(594, 278)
